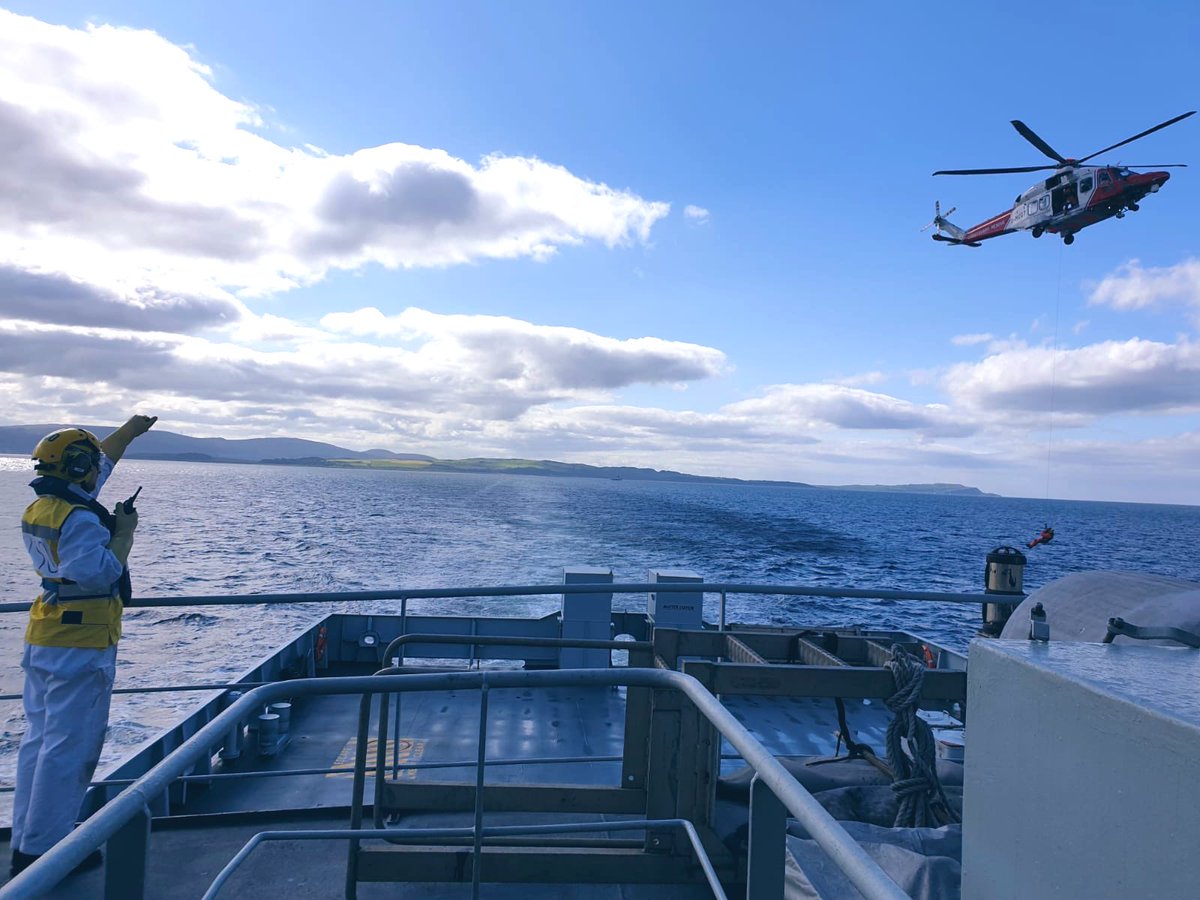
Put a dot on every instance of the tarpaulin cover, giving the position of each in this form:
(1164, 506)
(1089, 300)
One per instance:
(925, 862)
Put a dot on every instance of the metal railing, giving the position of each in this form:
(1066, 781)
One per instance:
(413, 835)
(128, 838)
(124, 823)
(405, 594)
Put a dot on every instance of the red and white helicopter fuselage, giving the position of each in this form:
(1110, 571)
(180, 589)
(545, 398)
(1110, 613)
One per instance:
(1068, 201)
(1075, 196)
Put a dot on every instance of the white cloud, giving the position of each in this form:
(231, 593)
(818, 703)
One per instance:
(50, 297)
(805, 407)
(1133, 287)
(513, 351)
(144, 212)
(121, 160)
(430, 367)
(969, 340)
(1133, 376)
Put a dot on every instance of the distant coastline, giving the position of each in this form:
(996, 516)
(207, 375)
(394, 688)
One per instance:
(548, 467)
(170, 446)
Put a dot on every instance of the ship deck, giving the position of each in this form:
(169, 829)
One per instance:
(559, 749)
(212, 822)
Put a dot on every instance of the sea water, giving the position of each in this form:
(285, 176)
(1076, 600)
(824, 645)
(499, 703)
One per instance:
(208, 528)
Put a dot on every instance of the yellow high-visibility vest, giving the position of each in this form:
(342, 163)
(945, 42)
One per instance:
(64, 614)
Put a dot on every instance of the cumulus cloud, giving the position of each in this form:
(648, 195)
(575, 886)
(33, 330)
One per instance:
(57, 299)
(406, 206)
(608, 428)
(1133, 376)
(143, 210)
(511, 350)
(453, 367)
(1133, 287)
(50, 177)
(147, 220)
(119, 140)
(824, 406)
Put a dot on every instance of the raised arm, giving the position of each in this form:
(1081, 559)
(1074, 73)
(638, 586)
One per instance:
(115, 444)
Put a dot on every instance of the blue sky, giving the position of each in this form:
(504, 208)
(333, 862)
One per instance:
(670, 235)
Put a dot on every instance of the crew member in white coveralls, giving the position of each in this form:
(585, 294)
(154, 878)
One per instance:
(79, 550)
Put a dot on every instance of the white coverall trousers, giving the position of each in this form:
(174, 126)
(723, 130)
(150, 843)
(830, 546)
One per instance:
(67, 694)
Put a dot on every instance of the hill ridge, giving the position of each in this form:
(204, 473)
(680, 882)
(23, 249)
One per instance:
(169, 445)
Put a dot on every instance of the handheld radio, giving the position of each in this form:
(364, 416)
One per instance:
(127, 505)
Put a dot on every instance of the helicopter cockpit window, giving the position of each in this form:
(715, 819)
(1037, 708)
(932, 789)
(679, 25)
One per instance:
(1085, 185)
(1104, 179)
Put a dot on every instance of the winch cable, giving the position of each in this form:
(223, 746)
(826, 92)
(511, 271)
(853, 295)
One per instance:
(1053, 371)
(923, 801)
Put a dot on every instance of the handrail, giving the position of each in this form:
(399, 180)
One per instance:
(344, 770)
(174, 688)
(402, 593)
(506, 640)
(411, 835)
(133, 802)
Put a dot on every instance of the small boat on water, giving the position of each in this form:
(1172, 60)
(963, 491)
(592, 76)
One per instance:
(605, 752)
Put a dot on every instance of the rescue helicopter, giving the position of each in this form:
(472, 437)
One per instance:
(1071, 199)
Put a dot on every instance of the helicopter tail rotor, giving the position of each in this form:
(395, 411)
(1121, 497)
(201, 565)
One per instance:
(939, 218)
(941, 223)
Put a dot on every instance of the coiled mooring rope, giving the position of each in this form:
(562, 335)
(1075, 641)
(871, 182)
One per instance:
(923, 802)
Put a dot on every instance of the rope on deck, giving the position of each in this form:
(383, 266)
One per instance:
(923, 802)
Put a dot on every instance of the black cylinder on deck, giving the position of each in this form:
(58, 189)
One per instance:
(1003, 574)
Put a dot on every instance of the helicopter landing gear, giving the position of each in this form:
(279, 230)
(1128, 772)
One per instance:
(1038, 231)
(1120, 213)
(1133, 207)
(1068, 239)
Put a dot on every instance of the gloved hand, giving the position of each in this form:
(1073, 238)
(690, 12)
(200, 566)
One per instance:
(127, 522)
(138, 425)
(122, 540)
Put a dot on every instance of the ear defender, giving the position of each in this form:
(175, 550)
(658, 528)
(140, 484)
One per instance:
(78, 461)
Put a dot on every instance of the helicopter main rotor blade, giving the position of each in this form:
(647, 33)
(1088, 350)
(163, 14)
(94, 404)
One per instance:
(1141, 135)
(1154, 165)
(993, 171)
(1026, 132)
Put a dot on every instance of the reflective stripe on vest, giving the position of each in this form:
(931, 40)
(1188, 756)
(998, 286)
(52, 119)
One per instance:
(61, 615)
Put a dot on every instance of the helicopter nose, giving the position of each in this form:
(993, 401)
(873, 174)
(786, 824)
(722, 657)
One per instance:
(1150, 181)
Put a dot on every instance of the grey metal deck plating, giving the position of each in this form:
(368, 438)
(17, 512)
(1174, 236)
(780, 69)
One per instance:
(529, 725)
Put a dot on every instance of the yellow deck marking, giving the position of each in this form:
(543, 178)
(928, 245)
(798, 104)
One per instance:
(411, 750)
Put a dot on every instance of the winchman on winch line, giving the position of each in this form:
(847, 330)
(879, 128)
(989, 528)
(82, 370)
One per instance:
(1045, 537)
